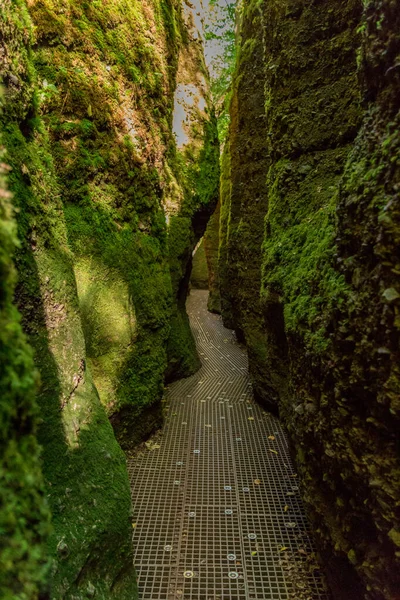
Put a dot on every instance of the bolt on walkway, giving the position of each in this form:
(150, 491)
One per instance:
(216, 500)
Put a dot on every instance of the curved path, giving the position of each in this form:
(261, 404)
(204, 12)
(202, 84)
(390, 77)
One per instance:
(217, 508)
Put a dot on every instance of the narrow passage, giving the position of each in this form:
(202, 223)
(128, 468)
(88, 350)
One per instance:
(217, 510)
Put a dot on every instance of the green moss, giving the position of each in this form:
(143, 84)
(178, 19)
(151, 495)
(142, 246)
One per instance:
(134, 263)
(90, 543)
(330, 294)
(300, 243)
(199, 173)
(211, 246)
(182, 355)
(24, 516)
(102, 280)
(223, 264)
(199, 275)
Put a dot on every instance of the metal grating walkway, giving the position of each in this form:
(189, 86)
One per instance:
(217, 508)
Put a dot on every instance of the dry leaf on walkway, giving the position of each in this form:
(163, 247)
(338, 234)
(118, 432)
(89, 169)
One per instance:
(251, 419)
(271, 437)
(286, 508)
(273, 451)
(257, 481)
(152, 446)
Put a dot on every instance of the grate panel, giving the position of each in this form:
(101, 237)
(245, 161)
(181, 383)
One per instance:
(217, 508)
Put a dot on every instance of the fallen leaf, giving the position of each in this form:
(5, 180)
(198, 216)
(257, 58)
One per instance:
(257, 481)
(207, 425)
(152, 445)
(254, 553)
(283, 549)
(286, 508)
(134, 525)
(273, 451)
(271, 437)
(251, 418)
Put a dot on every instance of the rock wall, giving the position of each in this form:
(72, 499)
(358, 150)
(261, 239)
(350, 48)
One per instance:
(199, 274)
(243, 204)
(24, 516)
(84, 469)
(329, 293)
(109, 207)
(116, 82)
(211, 247)
(196, 161)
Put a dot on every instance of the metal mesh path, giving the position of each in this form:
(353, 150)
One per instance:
(217, 509)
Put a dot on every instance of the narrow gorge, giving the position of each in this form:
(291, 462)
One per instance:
(137, 172)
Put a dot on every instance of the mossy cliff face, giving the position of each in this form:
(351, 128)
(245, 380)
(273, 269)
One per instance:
(244, 203)
(84, 469)
(196, 167)
(96, 177)
(224, 275)
(199, 274)
(358, 418)
(113, 77)
(24, 516)
(330, 271)
(205, 273)
(211, 247)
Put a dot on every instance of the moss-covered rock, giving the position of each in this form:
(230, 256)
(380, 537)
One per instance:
(135, 204)
(199, 274)
(330, 268)
(84, 469)
(195, 164)
(224, 270)
(211, 248)
(24, 515)
(110, 208)
(242, 224)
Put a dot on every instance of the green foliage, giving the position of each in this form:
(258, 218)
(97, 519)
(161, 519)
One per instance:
(202, 174)
(220, 34)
